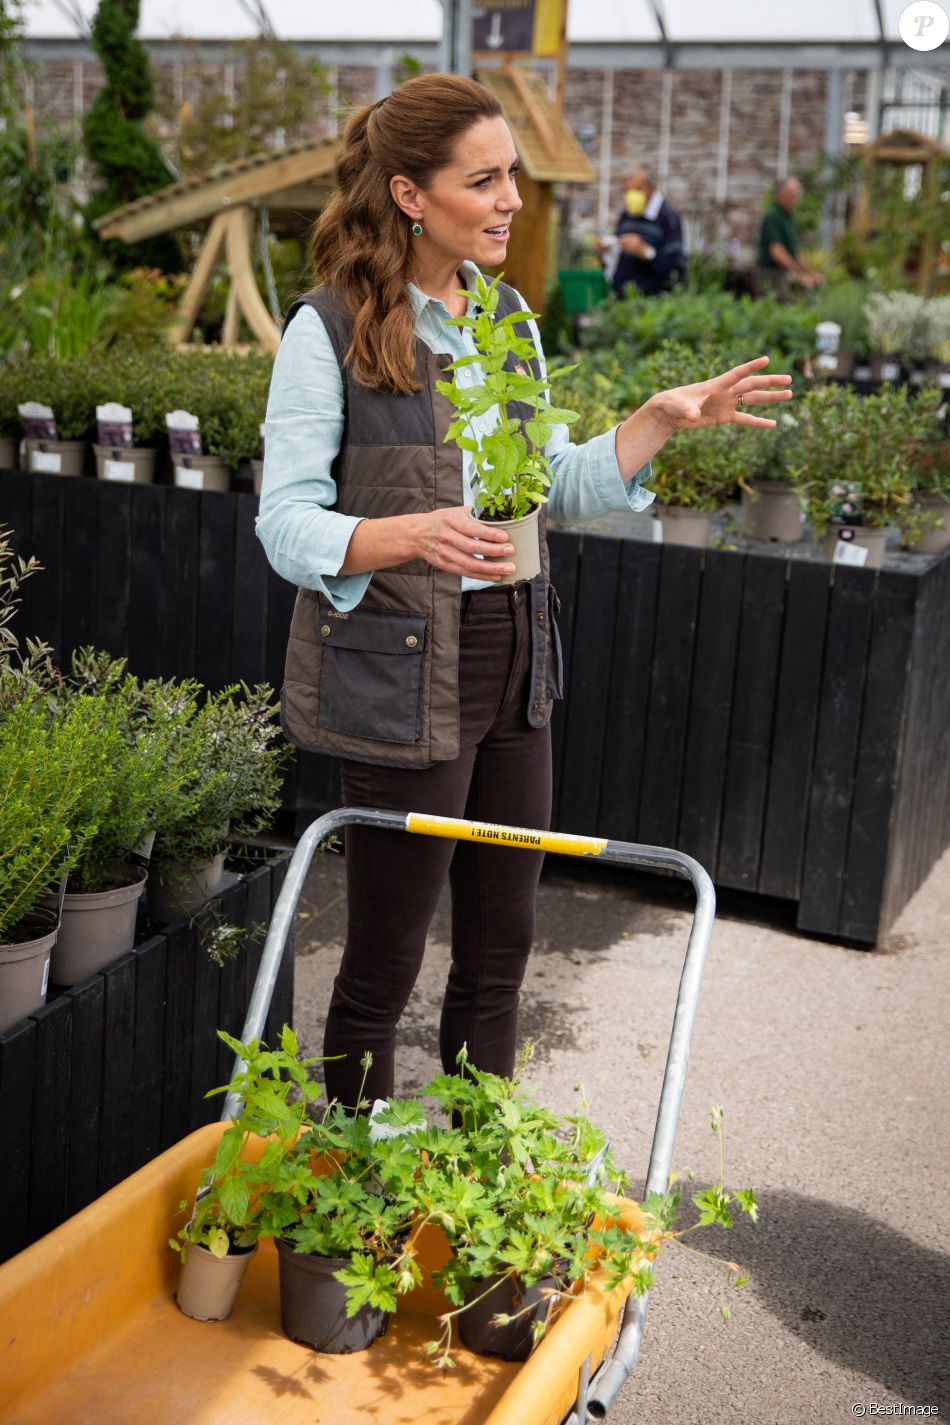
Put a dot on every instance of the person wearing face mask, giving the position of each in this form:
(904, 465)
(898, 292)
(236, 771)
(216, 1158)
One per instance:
(649, 237)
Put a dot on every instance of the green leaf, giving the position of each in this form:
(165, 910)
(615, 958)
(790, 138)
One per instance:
(234, 1196)
(229, 1150)
(748, 1202)
(538, 432)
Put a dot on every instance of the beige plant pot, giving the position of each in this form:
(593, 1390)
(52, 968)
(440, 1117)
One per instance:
(523, 534)
(176, 890)
(257, 470)
(127, 467)
(208, 1285)
(773, 513)
(9, 452)
(56, 457)
(24, 968)
(202, 472)
(97, 927)
(684, 526)
(937, 540)
(873, 540)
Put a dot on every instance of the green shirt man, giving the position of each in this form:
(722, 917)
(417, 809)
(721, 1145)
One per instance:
(778, 257)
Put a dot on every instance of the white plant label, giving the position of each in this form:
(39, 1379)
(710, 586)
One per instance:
(49, 461)
(123, 470)
(45, 984)
(862, 373)
(656, 531)
(890, 370)
(189, 479)
(847, 552)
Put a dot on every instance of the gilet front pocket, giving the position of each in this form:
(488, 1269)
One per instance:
(371, 673)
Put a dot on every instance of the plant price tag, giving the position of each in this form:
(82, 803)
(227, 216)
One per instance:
(45, 985)
(846, 552)
(123, 470)
(49, 461)
(189, 479)
(656, 531)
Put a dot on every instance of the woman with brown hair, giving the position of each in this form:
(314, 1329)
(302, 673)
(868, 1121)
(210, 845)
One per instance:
(407, 658)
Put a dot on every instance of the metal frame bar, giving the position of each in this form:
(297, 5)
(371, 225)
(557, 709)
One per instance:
(594, 1400)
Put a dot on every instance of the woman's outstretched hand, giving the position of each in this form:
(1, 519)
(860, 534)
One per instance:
(723, 400)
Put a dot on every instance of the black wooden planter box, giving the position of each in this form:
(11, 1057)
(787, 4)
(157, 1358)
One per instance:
(784, 721)
(114, 1071)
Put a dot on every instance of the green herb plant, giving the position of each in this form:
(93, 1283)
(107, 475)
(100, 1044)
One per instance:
(239, 1196)
(511, 473)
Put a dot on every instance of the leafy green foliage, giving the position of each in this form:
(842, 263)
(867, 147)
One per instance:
(855, 459)
(511, 471)
(128, 162)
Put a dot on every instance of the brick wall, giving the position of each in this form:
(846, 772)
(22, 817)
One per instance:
(695, 176)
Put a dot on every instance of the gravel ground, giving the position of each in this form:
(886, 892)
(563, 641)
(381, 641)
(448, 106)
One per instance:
(832, 1067)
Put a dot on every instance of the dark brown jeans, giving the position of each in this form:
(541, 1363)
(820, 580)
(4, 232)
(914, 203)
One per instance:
(503, 774)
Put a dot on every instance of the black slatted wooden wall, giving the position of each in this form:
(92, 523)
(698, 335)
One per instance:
(784, 721)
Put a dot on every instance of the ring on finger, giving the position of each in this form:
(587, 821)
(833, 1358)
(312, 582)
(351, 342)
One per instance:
(740, 401)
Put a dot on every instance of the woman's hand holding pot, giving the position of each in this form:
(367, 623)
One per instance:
(452, 540)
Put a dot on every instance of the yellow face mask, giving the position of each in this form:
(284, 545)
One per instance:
(635, 201)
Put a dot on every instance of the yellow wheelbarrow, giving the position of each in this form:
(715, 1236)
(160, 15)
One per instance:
(90, 1333)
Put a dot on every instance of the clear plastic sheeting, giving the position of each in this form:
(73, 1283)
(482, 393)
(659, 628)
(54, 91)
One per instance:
(420, 21)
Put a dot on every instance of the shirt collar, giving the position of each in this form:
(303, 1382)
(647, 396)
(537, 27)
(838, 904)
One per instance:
(653, 207)
(419, 300)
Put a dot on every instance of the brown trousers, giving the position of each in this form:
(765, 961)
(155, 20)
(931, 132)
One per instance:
(503, 774)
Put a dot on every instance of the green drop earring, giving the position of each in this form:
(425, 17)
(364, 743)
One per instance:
(417, 230)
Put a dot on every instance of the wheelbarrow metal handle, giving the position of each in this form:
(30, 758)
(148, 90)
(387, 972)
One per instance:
(613, 1372)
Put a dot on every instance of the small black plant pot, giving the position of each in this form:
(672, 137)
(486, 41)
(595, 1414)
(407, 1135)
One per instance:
(313, 1305)
(513, 1342)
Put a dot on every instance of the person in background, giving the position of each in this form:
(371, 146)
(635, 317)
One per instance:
(649, 237)
(779, 262)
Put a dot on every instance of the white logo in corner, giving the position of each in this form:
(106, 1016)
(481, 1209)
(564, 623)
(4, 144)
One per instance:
(924, 25)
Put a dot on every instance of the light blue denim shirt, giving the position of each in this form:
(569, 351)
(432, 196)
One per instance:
(304, 538)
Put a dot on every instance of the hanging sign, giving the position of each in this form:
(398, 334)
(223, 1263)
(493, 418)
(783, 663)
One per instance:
(524, 27)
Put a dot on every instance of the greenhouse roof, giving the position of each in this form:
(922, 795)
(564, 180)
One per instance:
(590, 22)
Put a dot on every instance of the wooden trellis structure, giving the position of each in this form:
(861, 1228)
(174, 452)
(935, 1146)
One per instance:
(288, 186)
(903, 149)
(295, 184)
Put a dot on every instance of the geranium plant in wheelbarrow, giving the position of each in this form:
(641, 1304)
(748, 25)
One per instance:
(510, 472)
(521, 1195)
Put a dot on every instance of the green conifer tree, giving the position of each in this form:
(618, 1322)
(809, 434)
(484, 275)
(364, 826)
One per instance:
(128, 161)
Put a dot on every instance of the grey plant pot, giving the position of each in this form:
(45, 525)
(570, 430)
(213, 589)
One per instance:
(176, 890)
(201, 472)
(97, 927)
(523, 534)
(42, 455)
(774, 514)
(208, 1285)
(24, 968)
(938, 539)
(499, 1296)
(313, 1305)
(873, 540)
(684, 526)
(134, 466)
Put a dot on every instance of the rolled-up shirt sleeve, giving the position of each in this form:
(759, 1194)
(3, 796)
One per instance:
(586, 479)
(304, 538)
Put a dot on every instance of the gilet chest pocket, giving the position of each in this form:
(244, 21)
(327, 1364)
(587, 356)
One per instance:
(371, 675)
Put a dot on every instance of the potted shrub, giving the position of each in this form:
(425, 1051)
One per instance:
(217, 1241)
(63, 386)
(48, 775)
(926, 527)
(141, 741)
(897, 332)
(771, 509)
(851, 467)
(238, 755)
(133, 378)
(510, 472)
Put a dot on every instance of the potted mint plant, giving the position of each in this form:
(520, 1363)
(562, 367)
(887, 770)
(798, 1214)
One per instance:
(238, 1191)
(511, 473)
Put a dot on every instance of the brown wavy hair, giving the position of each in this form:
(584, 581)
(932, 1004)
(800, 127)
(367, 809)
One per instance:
(361, 243)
